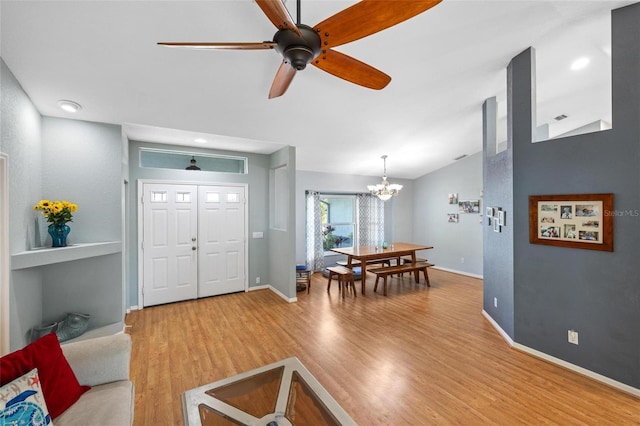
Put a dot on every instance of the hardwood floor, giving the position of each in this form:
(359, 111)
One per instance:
(419, 356)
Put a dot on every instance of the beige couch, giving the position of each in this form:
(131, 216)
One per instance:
(103, 364)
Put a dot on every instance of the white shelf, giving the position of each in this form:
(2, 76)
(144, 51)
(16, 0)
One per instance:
(48, 256)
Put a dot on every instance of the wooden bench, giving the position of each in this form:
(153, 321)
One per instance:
(345, 279)
(407, 259)
(369, 262)
(385, 271)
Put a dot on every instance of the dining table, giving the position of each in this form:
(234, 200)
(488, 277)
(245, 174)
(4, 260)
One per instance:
(365, 254)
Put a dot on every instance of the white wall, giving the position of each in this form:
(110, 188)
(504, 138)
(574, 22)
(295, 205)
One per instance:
(451, 241)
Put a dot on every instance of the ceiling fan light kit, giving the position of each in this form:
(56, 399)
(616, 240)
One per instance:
(300, 44)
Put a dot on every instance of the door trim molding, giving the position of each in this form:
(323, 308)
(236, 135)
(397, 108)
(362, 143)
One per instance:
(140, 209)
(5, 304)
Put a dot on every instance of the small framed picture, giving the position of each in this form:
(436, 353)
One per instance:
(496, 225)
(502, 218)
(489, 211)
(469, 206)
(453, 198)
(452, 217)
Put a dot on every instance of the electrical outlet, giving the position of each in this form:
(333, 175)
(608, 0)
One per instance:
(257, 280)
(495, 302)
(572, 337)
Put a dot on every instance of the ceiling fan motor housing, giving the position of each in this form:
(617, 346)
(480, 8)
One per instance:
(296, 50)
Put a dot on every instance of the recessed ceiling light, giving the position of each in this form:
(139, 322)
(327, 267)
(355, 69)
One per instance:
(579, 63)
(200, 140)
(69, 106)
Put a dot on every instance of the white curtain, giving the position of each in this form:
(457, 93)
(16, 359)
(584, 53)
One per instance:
(370, 220)
(315, 251)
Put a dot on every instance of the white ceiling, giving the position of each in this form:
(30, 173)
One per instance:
(444, 63)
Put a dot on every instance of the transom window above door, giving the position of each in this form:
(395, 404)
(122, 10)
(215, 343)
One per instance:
(180, 160)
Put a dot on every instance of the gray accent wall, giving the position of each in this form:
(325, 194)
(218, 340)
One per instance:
(61, 159)
(498, 193)
(257, 179)
(82, 164)
(556, 289)
(21, 140)
(457, 246)
(281, 243)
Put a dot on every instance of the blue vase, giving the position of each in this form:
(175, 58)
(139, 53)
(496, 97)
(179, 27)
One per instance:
(59, 233)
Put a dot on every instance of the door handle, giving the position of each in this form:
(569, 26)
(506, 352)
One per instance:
(193, 248)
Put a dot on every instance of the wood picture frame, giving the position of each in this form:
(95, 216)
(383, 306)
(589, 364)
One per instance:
(582, 221)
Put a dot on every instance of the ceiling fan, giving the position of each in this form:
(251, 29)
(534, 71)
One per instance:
(300, 44)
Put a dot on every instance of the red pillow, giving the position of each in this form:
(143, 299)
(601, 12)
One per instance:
(60, 386)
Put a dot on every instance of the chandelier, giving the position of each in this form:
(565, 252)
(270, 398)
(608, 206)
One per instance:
(384, 190)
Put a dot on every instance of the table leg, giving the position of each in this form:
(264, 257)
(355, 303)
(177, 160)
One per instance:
(363, 271)
(416, 275)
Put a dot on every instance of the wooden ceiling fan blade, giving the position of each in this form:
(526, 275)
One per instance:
(278, 14)
(351, 69)
(224, 45)
(283, 79)
(368, 17)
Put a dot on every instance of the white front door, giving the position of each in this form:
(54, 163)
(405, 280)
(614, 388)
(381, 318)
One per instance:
(169, 243)
(221, 240)
(193, 241)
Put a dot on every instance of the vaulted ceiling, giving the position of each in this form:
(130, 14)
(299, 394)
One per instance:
(444, 63)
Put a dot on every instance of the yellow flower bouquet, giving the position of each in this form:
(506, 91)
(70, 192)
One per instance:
(56, 212)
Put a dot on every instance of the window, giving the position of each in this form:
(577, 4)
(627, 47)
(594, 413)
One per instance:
(158, 196)
(213, 197)
(179, 160)
(338, 221)
(183, 197)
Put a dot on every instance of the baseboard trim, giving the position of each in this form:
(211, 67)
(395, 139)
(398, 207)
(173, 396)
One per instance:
(562, 363)
(259, 287)
(276, 291)
(454, 271)
(499, 329)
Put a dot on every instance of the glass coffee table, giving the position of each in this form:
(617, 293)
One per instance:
(279, 394)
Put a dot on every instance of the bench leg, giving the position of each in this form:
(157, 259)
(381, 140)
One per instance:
(329, 282)
(375, 287)
(426, 277)
(353, 285)
(385, 285)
